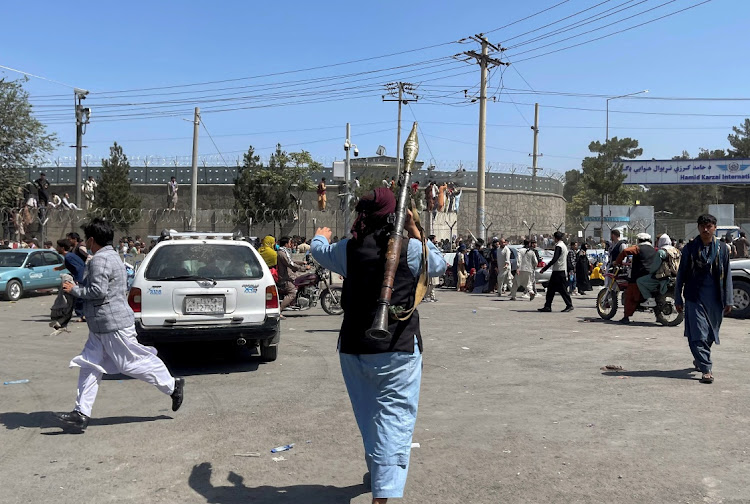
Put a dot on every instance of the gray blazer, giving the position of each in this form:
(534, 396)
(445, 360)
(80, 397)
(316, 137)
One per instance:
(104, 291)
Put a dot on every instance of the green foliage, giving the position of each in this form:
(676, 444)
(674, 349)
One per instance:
(114, 196)
(602, 175)
(23, 139)
(740, 140)
(245, 183)
(680, 201)
(276, 186)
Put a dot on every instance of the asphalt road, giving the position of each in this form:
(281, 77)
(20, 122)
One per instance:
(515, 408)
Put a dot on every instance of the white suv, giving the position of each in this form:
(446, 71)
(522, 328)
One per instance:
(206, 287)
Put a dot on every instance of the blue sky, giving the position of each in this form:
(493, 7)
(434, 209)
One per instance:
(104, 47)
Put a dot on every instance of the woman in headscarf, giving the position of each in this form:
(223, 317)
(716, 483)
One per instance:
(382, 376)
(267, 251)
(583, 270)
(459, 268)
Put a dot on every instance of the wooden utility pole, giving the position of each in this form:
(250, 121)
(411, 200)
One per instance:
(401, 88)
(485, 62)
(535, 155)
(194, 182)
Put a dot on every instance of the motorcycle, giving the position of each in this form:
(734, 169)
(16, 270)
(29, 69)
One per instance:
(309, 292)
(663, 306)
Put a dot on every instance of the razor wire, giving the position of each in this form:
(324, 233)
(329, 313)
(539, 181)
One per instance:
(46, 216)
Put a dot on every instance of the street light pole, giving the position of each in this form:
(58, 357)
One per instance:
(614, 98)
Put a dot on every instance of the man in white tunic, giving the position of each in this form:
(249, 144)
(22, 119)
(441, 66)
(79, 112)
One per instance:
(112, 346)
(525, 278)
(504, 275)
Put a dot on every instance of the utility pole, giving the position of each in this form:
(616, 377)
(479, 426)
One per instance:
(535, 155)
(194, 183)
(83, 114)
(485, 62)
(403, 87)
(347, 178)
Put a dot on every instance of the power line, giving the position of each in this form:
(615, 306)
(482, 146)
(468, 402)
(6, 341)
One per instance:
(612, 34)
(274, 74)
(559, 20)
(636, 112)
(203, 123)
(527, 17)
(589, 31)
(421, 132)
(266, 85)
(496, 148)
(598, 95)
(318, 67)
(586, 21)
(39, 77)
(241, 134)
(345, 91)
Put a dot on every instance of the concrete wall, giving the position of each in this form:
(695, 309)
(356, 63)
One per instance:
(505, 210)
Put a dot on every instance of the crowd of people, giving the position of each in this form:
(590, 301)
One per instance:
(383, 375)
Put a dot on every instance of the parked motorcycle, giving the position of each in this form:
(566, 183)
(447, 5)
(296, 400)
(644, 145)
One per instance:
(663, 306)
(309, 292)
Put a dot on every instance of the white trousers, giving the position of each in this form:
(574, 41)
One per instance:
(504, 281)
(523, 279)
(117, 352)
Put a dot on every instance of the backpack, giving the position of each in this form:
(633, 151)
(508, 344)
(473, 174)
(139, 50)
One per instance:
(670, 264)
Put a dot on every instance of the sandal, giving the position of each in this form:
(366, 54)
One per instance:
(707, 378)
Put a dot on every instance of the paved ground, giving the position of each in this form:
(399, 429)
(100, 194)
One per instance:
(514, 409)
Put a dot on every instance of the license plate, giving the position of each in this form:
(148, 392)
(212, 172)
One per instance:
(204, 304)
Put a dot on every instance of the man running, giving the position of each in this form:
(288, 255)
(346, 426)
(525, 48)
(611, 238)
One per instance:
(112, 346)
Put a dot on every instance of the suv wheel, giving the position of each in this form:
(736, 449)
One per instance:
(741, 299)
(269, 353)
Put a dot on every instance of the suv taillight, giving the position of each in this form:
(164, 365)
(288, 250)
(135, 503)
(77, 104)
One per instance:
(272, 298)
(134, 299)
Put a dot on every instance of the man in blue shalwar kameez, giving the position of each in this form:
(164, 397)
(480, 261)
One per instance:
(381, 376)
(705, 281)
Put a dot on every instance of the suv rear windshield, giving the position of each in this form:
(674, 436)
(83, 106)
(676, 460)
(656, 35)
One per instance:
(203, 260)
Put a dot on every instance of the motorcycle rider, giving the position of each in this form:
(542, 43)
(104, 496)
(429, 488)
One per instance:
(286, 266)
(650, 285)
(617, 246)
(644, 256)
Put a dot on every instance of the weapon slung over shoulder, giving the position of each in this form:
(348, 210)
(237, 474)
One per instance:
(379, 329)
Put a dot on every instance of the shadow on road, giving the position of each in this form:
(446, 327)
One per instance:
(678, 374)
(237, 492)
(322, 330)
(45, 419)
(192, 359)
(291, 315)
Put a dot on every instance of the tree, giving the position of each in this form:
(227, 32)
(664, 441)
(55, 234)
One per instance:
(244, 184)
(114, 197)
(603, 174)
(680, 201)
(740, 140)
(23, 139)
(278, 186)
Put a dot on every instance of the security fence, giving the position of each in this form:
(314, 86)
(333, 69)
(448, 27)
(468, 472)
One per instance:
(221, 175)
(54, 223)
